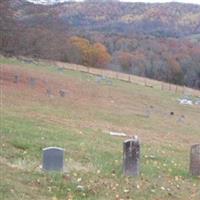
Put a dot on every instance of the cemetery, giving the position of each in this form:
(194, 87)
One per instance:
(108, 139)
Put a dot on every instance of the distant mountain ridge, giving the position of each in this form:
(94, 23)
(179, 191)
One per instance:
(48, 1)
(163, 20)
(61, 1)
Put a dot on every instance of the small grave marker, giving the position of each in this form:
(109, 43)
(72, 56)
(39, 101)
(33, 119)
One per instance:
(104, 80)
(61, 69)
(62, 93)
(131, 157)
(48, 92)
(16, 79)
(195, 160)
(32, 82)
(53, 159)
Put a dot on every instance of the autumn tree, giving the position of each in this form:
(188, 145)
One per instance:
(85, 53)
(99, 55)
(174, 70)
(125, 60)
(80, 50)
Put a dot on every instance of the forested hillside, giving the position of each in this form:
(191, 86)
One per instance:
(160, 41)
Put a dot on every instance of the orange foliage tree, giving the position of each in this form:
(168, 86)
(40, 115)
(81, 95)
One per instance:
(100, 56)
(85, 53)
(175, 72)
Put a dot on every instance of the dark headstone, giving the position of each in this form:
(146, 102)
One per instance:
(131, 157)
(16, 78)
(62, 93)
(49, 92)
(53, 159)
(195, 160)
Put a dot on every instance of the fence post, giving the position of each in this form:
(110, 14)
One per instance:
(183, 89)
(176, 90)
(129, 78)
(162, 86)
(117, 76)
(145, 81)
(169, 86)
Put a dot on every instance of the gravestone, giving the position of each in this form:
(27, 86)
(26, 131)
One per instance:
(61, 69)
(181, 119)
(62, 93)
(48, 92)
(53, 159)
(131, 157)
(16, 78)
(32, 82)
(195, 160)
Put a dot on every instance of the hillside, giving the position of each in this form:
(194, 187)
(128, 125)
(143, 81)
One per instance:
(169, 20)
(158, 41)
(32, 119)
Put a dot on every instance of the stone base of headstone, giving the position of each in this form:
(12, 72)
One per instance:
(131, 157)
(195, 160)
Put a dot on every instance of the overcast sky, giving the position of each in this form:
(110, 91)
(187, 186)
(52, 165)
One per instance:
(147, 1)
(163, 1)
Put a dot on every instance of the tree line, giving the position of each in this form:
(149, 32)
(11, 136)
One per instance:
(175, 60)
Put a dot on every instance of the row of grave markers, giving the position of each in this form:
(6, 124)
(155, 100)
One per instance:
(53, 158)
(33, 82)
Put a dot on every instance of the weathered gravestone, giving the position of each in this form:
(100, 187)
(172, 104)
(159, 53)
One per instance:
(62, 93)
(32, 82)
(131, 157)
(61, 69)
(48, 92)
(53, 159)
(16, 78)
(195, 160)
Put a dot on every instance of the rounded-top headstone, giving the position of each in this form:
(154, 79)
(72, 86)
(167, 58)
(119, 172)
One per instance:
(53, 159)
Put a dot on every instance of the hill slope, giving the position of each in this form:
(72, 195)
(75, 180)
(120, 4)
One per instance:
(31, 120)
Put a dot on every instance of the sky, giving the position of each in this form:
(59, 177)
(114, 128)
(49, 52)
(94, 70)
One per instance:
(164, 1)
(146, 1)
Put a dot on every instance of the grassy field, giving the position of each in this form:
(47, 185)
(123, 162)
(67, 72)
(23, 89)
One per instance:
(79, 123)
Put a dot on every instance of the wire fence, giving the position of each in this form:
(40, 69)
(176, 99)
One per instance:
(132, 79)
(119, 76)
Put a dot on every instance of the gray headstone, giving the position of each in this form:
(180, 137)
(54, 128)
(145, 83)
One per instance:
(61, 69)
(32, 82)
(195, 160)
(131, 157)
(53, 159)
